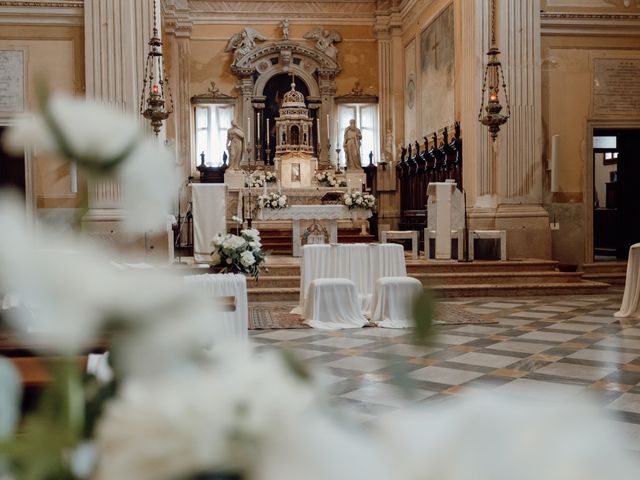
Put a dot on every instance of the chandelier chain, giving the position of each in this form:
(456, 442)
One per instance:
(493, 23)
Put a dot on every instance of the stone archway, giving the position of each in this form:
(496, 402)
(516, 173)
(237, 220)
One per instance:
(318, 70)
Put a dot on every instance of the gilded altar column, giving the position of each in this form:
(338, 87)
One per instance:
(116, 36)
(519, 157)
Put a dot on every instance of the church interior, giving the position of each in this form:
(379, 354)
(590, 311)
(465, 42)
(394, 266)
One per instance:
(249, 240)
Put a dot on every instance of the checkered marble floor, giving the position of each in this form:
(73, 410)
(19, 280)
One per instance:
(559, 348)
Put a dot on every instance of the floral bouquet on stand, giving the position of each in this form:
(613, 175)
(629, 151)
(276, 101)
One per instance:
(273, 200)
(239, 253)
(254, 180)
(359, 199)
(327, 178)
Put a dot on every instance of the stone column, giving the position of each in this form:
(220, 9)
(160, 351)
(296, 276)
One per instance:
(391, 100)
(245, 106)
(116, 37)
(327, 85)
(503, 180)
(519, 158)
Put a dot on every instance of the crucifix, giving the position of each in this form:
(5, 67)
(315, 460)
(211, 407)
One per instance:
(435, 46)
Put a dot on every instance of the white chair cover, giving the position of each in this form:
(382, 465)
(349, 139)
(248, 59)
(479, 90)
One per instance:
(631, 297)
(332, 304)
(236, 323)
(208, 204)
(392, 299)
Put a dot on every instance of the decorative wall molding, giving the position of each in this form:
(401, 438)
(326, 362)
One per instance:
(258, 11)
(60, 12)
(594, 24)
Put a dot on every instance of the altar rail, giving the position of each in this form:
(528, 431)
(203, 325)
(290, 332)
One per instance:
(439, 158)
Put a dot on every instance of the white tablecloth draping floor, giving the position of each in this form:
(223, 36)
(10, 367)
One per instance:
(361, 263)
(332, 304)
(208, 204)
(392, 301)
(236, 323)
(631, 298)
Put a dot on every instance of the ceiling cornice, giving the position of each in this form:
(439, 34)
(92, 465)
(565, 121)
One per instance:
(27, 12)
(591, 24)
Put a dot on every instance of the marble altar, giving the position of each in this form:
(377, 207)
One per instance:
(328, 213)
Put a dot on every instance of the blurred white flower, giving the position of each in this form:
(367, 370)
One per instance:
(233, 242)
(252, 233)
(492, 437)
(237, 219)
(70, 291)
(217, 239)
(255, 245)
(215, 418)
(348, 201)
(318, 447)
(247, 259)
(148, 182)
(94, 133)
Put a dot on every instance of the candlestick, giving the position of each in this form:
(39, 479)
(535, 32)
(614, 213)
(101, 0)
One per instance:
(258, 128)
(264, 187)
(328, 124)
(318, 130)
(279, 188)
(268, 133)
(249, 130)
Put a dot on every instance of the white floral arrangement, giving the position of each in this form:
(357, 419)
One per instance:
(239, 253)
(259, 178)
(326, 177)
(273, 200)
(359, 199)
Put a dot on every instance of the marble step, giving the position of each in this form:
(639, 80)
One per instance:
(613, 273)
(291, 294)
(612, 278)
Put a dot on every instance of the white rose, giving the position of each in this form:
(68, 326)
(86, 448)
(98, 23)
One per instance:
(348, 201)
(217, 240)
(282, 201)
(247, 259)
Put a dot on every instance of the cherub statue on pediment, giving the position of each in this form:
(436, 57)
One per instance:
(243, 42)
(325, 40)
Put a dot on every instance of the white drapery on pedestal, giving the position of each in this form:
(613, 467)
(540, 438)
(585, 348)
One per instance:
(631, 298)
(333, 304)
(392, 300)
(236, 324)
(209, 217)
(361, 263)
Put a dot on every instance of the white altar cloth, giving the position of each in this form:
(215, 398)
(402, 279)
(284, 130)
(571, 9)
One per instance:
(392, 301)
(631, 298)
(209, 217)
(236, 323)
(296, 213)
(362, 263)
(333, 304)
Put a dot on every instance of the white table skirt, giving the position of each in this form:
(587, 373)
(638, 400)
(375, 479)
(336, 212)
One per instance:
(236, 323)
(392, 301)
(361, 263)
(333, 304)
(631, 297)
(209, 217)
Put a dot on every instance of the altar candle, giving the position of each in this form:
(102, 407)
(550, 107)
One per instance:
(279, 188)
(264, 187)
(328, 128)
(258, 128)
(268, 133)
(348, 185)
(318, 131)
(248, 130)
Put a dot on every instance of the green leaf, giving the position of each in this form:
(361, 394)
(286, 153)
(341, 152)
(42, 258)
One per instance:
(423, 311)
(10, 397)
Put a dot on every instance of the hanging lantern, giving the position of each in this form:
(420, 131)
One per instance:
(490, 108)
(154, 97)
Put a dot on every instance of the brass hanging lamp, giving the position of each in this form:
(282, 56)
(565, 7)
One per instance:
(155, 89)
(493, 78)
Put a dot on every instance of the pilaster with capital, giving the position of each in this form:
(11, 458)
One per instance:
(327, 85)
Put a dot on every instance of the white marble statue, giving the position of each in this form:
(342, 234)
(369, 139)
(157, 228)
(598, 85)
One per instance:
(351, 145)
(235, 144)
(284, 25)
